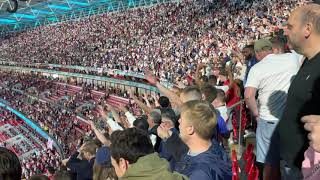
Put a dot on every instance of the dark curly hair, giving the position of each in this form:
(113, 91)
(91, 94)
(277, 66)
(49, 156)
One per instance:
(10, 168)
(130, 144)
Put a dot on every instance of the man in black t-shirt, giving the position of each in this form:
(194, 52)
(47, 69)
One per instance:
(304, 93)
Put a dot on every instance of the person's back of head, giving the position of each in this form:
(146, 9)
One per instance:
(209, 92)
(38, 177)
(127, 146)
(199, 115)
(51, 170)
(190, 93)
(141, 123)
(103, 173)
(278, 45)
(10, 168)
(164, 102)
(262, 48)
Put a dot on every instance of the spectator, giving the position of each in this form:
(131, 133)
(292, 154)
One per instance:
(51, 172)
(197, 156)
(102, 168)
(133, 157)
(303, 96)
(219, 103)
(248, 53)
(168, 121)
(10, 168)
(82, 163)
(164, 102)
(271, 78)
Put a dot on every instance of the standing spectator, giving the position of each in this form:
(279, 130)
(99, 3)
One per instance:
(168, 120)
(10, 168)
(304, 93)
(248, 53)
(197, 155)
(133, 157)
(271, 77)
(83, 165)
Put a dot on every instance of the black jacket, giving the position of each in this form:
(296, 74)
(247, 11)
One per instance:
(82, 168)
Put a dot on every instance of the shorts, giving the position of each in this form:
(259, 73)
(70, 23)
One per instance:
(267, 142)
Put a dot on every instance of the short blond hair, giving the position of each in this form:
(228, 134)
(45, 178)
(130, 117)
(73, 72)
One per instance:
(202, 117)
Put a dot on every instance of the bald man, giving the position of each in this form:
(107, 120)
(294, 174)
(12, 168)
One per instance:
(303, 31)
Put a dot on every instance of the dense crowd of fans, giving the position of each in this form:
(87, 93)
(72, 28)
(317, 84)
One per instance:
(215, 52)
(171, 39)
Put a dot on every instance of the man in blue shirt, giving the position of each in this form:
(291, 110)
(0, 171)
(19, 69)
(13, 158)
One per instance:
(248, 53)
(197, 156)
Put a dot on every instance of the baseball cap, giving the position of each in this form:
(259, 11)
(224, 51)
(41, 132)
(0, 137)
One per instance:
(103, 157)
(262, 44)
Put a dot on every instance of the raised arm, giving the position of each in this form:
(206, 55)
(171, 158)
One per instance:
(143, 106)
(174, 98)
(99, 134)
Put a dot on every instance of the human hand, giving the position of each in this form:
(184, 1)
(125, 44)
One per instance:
(312, 124)
(150, 77)
(65, 161)
(163, 132)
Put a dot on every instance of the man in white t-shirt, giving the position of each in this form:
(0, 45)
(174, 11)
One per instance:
(271, 78)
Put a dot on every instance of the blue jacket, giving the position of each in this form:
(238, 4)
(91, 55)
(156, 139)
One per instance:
(83, 168)
(214, 164)
(251, 63)
(164, 153)
(222, 127)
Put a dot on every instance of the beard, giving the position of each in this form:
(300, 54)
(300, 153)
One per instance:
(296, 46)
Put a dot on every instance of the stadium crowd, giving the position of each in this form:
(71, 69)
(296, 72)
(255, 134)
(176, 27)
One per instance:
(217, 54)
(171, 39)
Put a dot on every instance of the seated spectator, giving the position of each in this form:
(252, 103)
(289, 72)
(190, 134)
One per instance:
(133, 157)
(10, 168)
(197, 156)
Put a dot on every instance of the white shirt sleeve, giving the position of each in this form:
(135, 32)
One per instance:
(114, 125)
(130, 118)
(254, 78)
